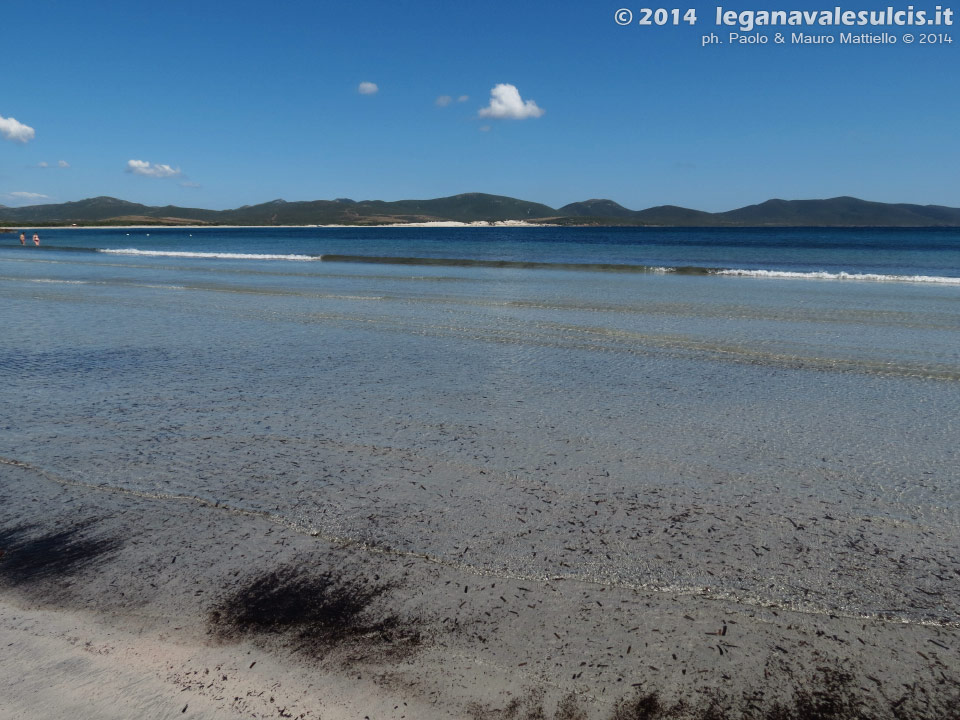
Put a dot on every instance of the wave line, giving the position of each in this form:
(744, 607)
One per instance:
(209, 255)
(824, 275)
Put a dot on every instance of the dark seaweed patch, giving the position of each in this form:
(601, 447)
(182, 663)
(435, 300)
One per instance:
(644, 706)
(28, 558)
(831, 694)
(569, 709)
(829, 697)
(318, 610)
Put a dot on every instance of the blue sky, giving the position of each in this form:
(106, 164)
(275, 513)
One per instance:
(240, 103)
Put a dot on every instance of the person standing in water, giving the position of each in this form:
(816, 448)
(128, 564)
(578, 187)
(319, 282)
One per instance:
(23, 239)
(36, 239)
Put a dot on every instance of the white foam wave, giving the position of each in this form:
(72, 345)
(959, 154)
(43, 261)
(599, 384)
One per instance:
(823, 275)
(59, 282)
(207, 255)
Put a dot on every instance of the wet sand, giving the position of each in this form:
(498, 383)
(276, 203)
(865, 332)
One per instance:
(116, 605)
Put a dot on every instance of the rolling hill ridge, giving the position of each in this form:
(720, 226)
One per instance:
(481, 207)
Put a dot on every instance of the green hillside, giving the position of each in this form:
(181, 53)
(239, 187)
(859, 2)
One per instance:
(841, 211)
(474, 207)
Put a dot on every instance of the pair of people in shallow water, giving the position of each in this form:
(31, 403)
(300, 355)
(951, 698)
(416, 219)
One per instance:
(36, 239)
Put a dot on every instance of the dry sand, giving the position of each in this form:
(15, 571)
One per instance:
(118, 605)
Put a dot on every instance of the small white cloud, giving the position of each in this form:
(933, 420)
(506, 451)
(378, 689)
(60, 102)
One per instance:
(463, 98)
(367, 88)
(63, 164)
(505, 102)
(444, 100)
(142, 167)
(28, 196)
(16, 131)
(43, 164)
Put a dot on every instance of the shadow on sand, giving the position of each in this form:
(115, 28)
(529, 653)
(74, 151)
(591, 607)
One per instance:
(314, 610)
(29, 557)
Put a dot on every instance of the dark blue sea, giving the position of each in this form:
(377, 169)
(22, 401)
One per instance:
(931, 255)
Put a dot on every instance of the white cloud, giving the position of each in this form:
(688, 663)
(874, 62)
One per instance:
(445, 100)
(43, 164)
(16, 131)
(367, 88)
(505, 102)
(63, 164)
(27, 196)
(142, 167)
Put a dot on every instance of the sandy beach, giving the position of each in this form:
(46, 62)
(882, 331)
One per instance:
(160, 226)
(118, 604)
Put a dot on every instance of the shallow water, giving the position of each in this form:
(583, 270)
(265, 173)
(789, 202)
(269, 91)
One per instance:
(785, 442)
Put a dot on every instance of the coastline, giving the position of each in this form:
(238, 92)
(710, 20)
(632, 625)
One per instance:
(437, 224)
(590, 223)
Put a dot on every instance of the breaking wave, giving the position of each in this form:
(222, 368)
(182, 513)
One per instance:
(548, 265)
(207, 255)
(823, 275)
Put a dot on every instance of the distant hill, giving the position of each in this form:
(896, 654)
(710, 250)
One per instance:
(596, 208)
(841, 211)
(673, 215)
(469, 207)
(836, 212)
(92, 209)
(473, 207)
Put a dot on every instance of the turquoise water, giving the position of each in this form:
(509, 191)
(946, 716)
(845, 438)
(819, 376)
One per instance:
(769, 438)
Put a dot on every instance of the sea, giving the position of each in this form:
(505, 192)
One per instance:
(765, 417)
